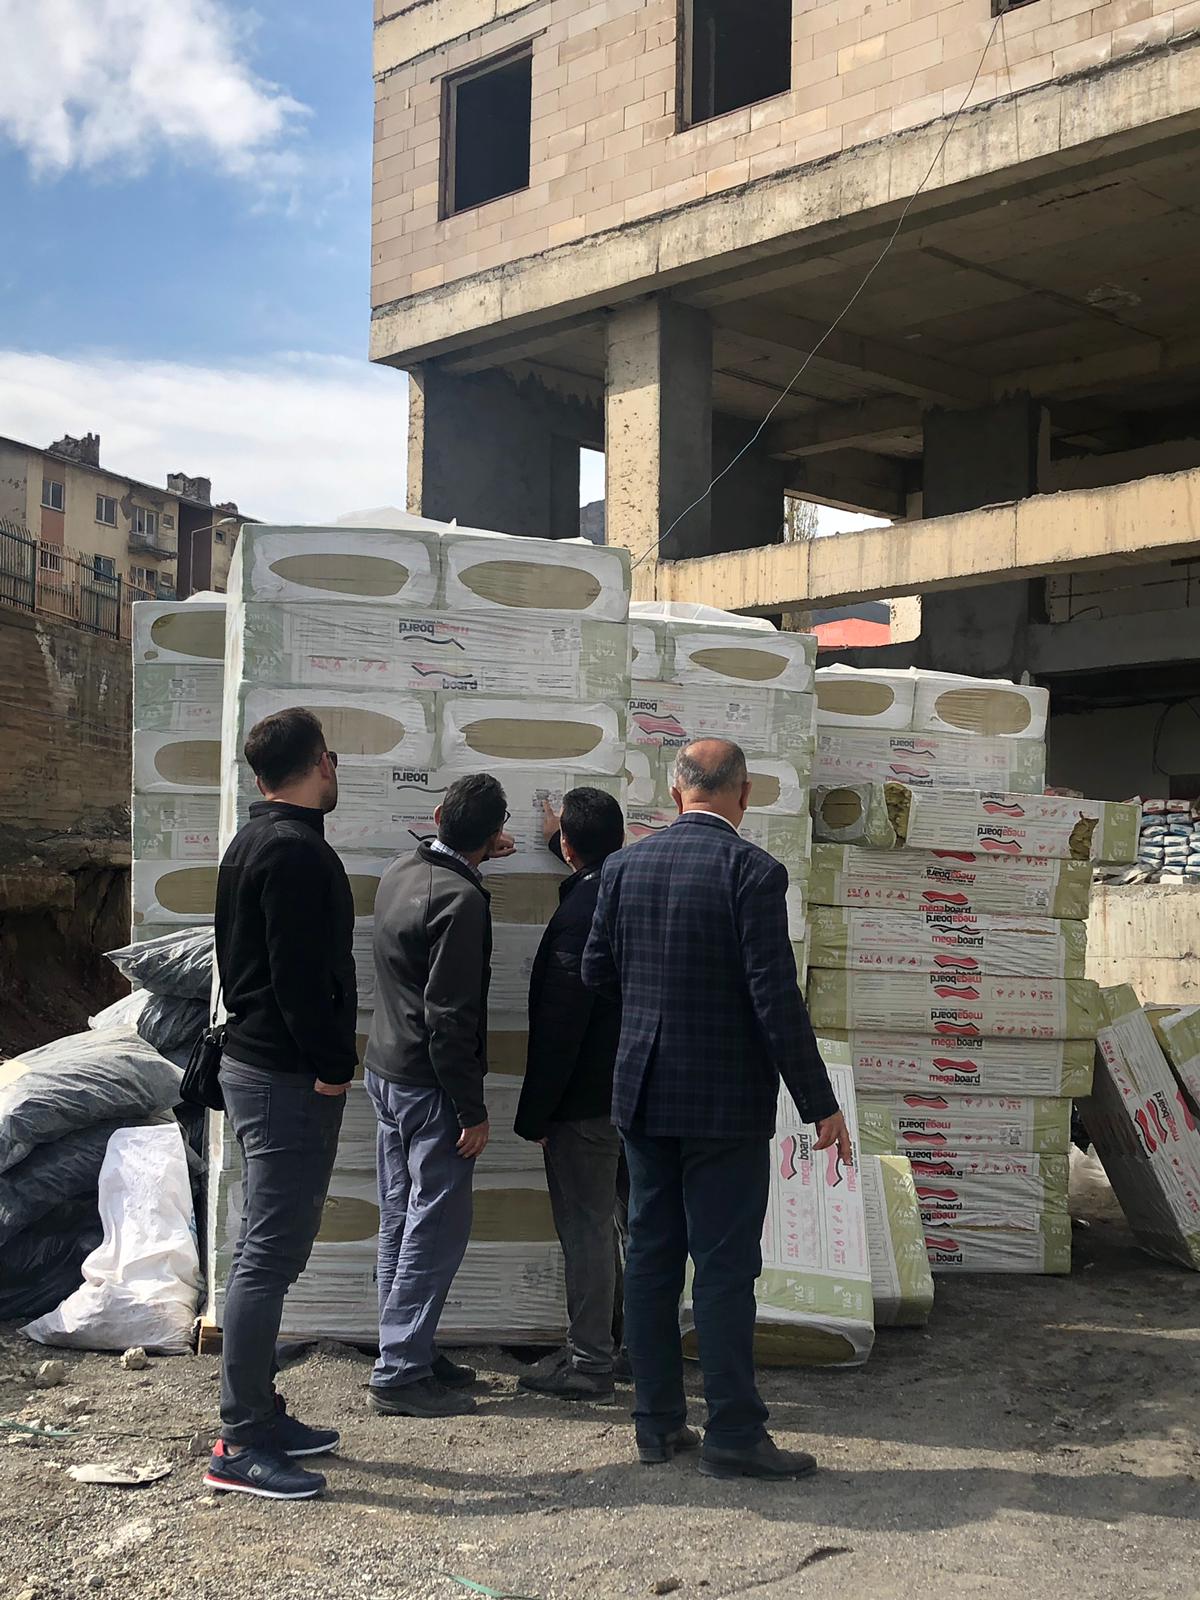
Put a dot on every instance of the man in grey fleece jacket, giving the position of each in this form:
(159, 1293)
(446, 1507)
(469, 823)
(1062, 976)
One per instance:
(425, 1066)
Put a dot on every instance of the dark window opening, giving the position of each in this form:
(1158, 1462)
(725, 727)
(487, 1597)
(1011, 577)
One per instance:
(737, 54)
(999, 7)
(487, 119)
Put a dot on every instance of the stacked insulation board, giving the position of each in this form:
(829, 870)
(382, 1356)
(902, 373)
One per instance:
(948, 942)
(702, 673)
(178, 675)
(431, 652)
(1140, 1118)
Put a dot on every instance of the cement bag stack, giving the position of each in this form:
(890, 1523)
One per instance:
(948, 946)
(1142, 1123)
(430, 652)
(178, 676)
(703, 673)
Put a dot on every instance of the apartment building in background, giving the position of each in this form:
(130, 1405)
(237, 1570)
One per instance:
(162, 542)
(932, 260)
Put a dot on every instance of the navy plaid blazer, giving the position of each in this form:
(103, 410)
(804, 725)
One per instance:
(691, 932)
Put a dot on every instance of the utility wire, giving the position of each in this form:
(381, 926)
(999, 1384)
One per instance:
(835, 324)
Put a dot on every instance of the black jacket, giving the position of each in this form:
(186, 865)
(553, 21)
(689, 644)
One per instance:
(573, 1032)
(285, 946)
(433, 955)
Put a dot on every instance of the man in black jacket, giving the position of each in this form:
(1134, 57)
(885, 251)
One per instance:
(284, 937)
(566, 1103)
(426, 1062)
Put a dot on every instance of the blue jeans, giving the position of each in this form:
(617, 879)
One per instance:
(424, 1223)
(706, 1198)
(288, 1135)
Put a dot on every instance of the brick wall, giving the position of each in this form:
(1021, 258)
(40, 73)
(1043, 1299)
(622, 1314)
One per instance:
(606, 145)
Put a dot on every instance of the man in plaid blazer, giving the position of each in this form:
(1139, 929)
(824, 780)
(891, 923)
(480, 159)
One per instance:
(691, 933)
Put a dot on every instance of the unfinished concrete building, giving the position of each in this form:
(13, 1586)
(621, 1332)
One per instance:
(642, 225)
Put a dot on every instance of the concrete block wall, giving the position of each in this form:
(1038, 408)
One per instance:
(607, 148)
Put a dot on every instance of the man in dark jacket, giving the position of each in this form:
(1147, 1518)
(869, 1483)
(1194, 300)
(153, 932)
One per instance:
(566, 1103)
(426, 1062)
(284, 938)
(691, 933)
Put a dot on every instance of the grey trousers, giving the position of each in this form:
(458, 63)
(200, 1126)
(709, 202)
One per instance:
(288, 1135)
(425, 1208)
(582, 1165)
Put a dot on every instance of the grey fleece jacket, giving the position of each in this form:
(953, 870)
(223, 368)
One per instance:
(433, 950)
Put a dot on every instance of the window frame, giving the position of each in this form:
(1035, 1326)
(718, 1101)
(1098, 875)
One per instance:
(149, 574)
(102, 502)
(451, 83)
(685, 33)
(104, 568)
(146, 516)
(61, 486)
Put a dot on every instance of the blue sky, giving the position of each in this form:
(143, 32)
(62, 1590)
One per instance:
(188, 186)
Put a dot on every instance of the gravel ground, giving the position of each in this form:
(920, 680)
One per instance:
(1041, 1437)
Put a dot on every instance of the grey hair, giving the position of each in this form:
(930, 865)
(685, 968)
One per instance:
(710, 777)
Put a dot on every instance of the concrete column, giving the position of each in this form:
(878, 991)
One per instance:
(982, 458)
(495, 452)
(658, 433)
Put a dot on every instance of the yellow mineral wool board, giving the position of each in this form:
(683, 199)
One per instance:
(894, 1124)
(994, 1199)
(952, 943)
(1044, 1249)
(901, 1282)
(1178, 1031)
(179, 633)
(852, 813)
(956, 1004)
(176, 763)
(355, 566)
(175, 698)
(687, 653)
(886, 1062)
(1008, 824)
(1144, 1131)
(930, 702)
(173, 893)
(478, 734)
(960, 882)
(928, 760)
(772, 722)
(326, 644)
(778, 784)
(492, 572)
(788, 839)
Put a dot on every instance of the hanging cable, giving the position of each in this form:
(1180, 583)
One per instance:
(834, 325)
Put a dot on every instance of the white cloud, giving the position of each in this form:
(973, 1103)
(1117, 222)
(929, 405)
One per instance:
(87, 83)
(299, 439)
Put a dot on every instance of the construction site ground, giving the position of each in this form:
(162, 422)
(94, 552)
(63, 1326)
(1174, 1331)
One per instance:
(1040, 1438)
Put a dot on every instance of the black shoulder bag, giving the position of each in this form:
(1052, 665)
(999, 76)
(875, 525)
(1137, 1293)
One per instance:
(201, 1084)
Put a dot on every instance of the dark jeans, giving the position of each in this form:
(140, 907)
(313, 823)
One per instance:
(288, 1135)
(424, 1223)
(706, 1197)
(582, 1162)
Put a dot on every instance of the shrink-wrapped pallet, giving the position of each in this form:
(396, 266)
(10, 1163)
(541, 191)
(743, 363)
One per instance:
(886, 1063)
(928, 760)
(949, 881)
(901, 1124)
(955, 1004)
(952, 942)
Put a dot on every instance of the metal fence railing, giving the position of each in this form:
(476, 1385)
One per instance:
(36, 576)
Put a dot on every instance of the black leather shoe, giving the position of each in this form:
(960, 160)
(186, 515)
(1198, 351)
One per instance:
(656, 1448)
(424, 1398)
(450, 1375)
(765, 1460)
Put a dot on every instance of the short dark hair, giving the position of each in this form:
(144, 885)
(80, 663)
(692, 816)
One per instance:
(593, 824)
(285, 746)
(473, 810)
(722, 768)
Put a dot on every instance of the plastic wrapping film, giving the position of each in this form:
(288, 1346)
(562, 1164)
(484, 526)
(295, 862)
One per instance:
(1144, 1131)
(928, 760)
(1043, 1249)
(950, 881)
(949, 942)
(887, 1062)
(1011, 824)
(1178, 1031)
(852, 813)
(955, 1004)
(896, 1124)
(901, 1282)
(991, 1199)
